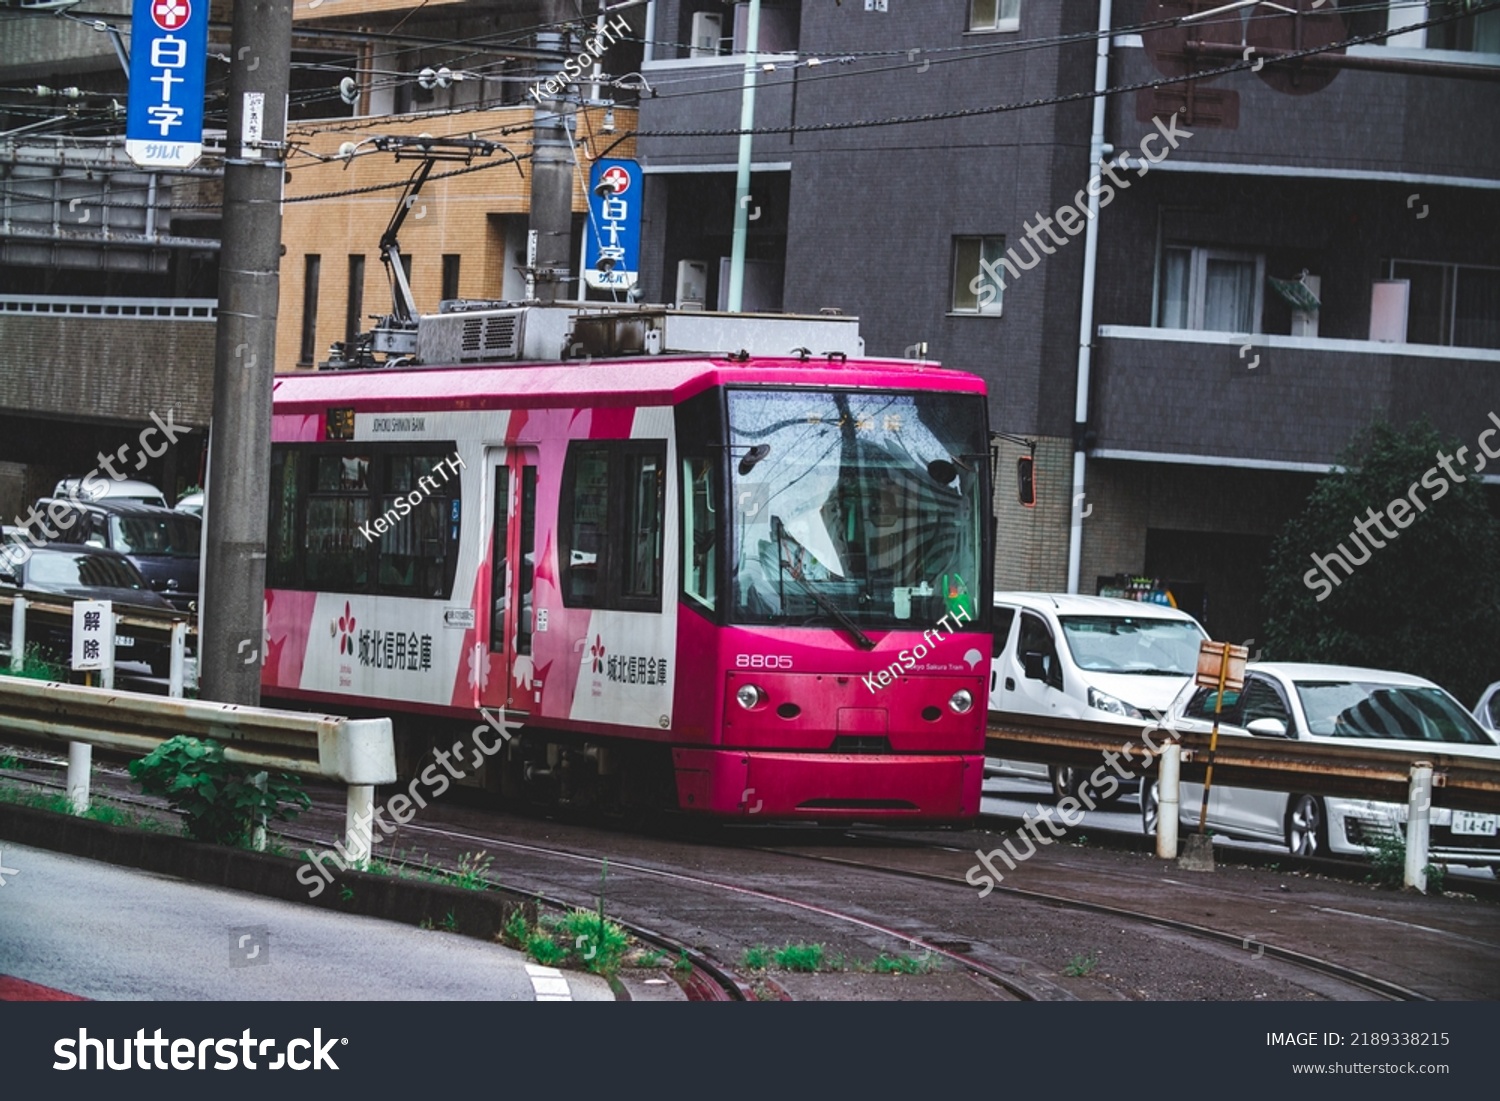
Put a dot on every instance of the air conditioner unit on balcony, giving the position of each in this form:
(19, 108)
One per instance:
(692, 284)
(708, 29)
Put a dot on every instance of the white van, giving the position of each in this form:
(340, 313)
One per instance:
(99, 489)
(1098, 658)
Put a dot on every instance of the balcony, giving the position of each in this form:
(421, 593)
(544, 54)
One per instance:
(1275, 402)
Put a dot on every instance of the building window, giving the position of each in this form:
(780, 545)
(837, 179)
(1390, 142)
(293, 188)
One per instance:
(994, 15)
(1476, 33)
(450, 276)
(353, 313)
(1450, 304)
(1212, 289)
(977, 274)
(311, 268)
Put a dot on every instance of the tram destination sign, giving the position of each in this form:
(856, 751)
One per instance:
(168, 56)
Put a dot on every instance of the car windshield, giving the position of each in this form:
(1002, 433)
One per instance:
(1347, 709)
(1133, 644)
(176, 536)
(855, 506)
(90, 571)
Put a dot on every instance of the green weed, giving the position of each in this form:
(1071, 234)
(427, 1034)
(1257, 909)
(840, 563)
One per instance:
(800, 957)
(1081, 965)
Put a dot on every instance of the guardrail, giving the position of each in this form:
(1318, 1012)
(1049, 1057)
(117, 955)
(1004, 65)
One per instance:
(174, 626)
(1421, 778)
(358, 752)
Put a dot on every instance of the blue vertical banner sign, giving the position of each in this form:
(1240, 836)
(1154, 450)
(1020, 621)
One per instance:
(168, 56)
(614, 230)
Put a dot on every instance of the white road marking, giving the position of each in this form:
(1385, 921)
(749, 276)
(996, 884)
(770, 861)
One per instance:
(549, 984)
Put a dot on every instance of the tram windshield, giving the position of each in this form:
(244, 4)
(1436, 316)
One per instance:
(856, 508)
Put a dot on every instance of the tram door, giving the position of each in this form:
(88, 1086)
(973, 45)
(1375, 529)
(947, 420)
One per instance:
(504, 648)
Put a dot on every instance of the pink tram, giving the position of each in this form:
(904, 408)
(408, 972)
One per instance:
(737, 585)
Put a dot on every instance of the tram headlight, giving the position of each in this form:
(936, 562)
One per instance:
(750, 697)
(961, 701)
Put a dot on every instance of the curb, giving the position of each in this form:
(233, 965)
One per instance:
(477, 914)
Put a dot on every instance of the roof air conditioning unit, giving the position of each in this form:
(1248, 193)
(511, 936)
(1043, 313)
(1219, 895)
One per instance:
(708, 29)
(692, 284)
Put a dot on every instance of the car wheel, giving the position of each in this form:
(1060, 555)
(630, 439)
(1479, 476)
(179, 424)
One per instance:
(1073, 782)
(1150, 806)
(1306, 826)
(1065, 781)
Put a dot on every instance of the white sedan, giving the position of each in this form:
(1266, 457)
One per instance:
(1344, 706)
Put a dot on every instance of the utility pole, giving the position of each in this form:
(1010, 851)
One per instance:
(736, 294)
(231, 639)
(552, 159)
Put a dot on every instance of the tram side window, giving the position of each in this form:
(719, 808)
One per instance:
(700, 525)
(335, 556)
(383, 519)
(611, 538)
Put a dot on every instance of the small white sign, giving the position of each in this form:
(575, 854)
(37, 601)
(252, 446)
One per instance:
(93, 635)
(253, 123)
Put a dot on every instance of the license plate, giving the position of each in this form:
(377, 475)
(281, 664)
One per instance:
(1475, 825)
(124, 640)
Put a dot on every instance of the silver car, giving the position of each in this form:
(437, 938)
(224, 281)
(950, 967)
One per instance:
(1345, 706)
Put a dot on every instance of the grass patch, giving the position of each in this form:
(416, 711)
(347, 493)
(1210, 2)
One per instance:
(1081, 966)
(683, 966)
(800, 957)
(35, 666)
(901, 964)
(473, 871)
(756, 958)
(1388, 864)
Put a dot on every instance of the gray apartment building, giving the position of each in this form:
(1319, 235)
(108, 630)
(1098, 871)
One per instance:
(1303, 249)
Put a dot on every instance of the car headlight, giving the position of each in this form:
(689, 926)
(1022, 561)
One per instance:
(750, 697)
(1102, 701)
(961, 701)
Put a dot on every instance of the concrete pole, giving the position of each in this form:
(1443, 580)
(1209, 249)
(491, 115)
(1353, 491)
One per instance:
(1168, 792)
(1418, 815)
(233, 618)
(552, 159)
(742, 198)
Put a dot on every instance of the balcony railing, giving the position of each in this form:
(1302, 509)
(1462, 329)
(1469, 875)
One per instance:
(139, 309)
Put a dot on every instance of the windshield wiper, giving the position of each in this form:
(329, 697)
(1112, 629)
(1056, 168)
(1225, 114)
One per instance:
(828, 606)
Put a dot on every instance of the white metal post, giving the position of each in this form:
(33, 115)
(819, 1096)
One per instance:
(1168, 792)
(18, 634)
(1418, 815)
(258, 837)
(357, 824)
(80, 760)
(179, 660)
